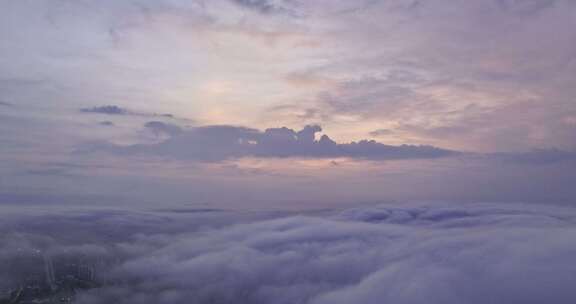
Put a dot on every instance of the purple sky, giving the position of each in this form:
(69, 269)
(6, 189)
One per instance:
(287, 103)
(288, 151)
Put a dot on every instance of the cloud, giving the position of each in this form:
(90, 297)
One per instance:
(109, 109)
(216, 143)
(163, 128)
(120, 111)
(381, 132)
(408, 253)
(536, 157)
(526, 6)
(6, 104)
(106, 123)
(420, 83)
(266, 6)
(52, 172)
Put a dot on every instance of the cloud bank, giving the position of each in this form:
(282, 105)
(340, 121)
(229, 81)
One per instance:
(215, 143)
(397, 253)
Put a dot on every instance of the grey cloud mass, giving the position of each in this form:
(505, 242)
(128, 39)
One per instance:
(215, 143)
(264, 6)
(163, 128)
(110, 109)
(106, 123)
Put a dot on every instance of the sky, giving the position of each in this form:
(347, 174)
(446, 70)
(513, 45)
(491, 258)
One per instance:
(287, 103)
(287, 151)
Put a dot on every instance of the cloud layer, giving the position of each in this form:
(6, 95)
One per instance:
(407, 253)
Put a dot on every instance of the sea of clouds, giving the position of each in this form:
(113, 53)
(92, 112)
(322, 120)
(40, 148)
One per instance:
(391, 253)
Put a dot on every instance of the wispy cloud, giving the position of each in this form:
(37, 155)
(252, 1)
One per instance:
(120, 111)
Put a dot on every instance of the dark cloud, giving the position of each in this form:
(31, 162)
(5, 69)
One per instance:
(120, 111)
(109, 109)
(7, 104)
(215, 143)
(163, 128)
(260, 5)
(412, 253)
(265, 6)
(106, 123)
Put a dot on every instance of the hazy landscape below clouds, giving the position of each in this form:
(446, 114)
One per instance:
(386, 253)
